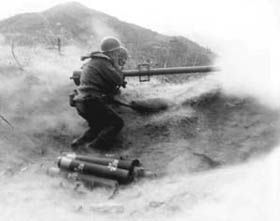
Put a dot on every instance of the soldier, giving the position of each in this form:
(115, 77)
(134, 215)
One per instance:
(100, 80)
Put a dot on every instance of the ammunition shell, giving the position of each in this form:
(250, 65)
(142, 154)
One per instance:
(119, 163)
(110, 172)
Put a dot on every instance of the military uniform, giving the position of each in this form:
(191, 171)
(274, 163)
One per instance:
(99, 82)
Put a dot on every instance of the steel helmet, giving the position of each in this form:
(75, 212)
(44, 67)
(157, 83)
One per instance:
(110, 44)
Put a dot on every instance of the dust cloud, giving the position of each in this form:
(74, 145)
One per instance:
(34, 88)
(248, 56)
(101, 29)
(34, 101)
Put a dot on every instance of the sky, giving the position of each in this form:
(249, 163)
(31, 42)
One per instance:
(201, 20)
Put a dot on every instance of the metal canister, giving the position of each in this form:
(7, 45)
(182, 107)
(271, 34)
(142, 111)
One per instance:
(111, 172)
(118, 163)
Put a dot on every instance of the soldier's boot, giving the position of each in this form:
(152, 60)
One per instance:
(77, 143)
(97, 144)
(104, 138)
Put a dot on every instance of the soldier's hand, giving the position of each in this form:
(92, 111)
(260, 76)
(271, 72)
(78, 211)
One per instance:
(124, 84)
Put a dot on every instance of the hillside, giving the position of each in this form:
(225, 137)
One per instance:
(78, 25)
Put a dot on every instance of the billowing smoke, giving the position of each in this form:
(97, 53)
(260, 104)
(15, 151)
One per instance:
(34, 99)
(250, 68)
(100, 30)
(248, 53)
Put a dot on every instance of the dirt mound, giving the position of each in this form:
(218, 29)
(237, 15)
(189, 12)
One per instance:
(211, 131)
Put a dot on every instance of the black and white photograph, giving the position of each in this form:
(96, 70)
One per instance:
(140, 110)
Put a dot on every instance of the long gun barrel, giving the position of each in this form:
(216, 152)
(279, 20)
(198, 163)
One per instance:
(171, 70)
(144, 70)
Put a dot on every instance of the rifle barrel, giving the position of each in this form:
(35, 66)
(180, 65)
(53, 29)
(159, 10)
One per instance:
(171, 70)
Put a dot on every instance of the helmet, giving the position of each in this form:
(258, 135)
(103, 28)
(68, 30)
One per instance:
(110, 44)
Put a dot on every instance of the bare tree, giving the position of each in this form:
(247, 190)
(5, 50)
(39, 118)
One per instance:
(15, 57)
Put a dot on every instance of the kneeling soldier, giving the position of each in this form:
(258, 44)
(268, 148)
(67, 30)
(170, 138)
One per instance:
(100, 80)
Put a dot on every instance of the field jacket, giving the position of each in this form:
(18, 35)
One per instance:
(99, 78)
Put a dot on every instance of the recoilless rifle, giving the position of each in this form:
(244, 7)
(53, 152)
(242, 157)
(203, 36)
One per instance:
(144, 71)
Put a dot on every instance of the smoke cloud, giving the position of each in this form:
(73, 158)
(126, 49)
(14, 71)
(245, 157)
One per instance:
(37, 96)
(248, 53)
(101, 30)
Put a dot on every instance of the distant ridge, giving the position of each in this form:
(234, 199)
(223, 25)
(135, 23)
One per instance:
(76, 24)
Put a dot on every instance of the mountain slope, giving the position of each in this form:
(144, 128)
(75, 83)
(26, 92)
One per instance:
(79, 25)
